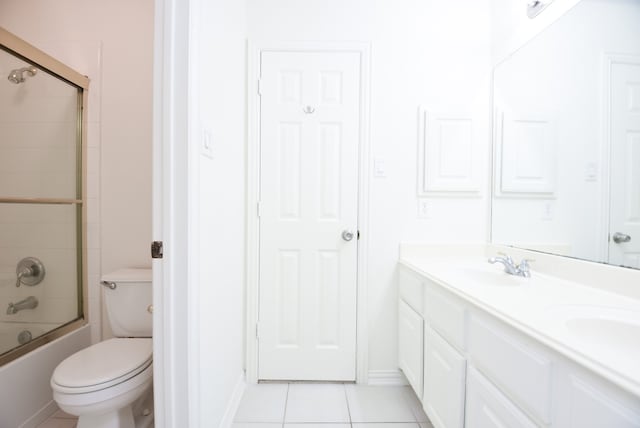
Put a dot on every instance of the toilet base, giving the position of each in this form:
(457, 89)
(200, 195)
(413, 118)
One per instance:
(121, 418)
(138, 414)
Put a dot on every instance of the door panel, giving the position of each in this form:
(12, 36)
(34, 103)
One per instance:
(309, 138)
(625, 162)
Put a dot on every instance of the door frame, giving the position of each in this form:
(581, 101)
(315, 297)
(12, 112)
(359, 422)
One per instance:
(255, 50)
(608, 61)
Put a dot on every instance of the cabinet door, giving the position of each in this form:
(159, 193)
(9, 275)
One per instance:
(410, 345)
(487, 407)
(590, 402)
(444, 382)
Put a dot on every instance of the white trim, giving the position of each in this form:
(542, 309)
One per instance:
(387, 377)
(253, 176)
(608, 60)
(41, 415)
(234, 402)
(170, 209)
(424, 189)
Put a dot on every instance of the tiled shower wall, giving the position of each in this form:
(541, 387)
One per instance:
(37, 160)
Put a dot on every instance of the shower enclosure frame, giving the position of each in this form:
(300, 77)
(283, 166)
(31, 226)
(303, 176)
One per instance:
(46, 63)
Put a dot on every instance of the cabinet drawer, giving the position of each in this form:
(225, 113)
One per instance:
(410, 288)
(410, 346)
(487, 407)
(444, 382)
(522, 371)
(445, 315)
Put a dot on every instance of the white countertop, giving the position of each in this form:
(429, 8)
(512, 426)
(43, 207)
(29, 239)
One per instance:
(562, 314)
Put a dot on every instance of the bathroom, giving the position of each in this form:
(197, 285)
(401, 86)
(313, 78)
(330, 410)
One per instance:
(424, 57)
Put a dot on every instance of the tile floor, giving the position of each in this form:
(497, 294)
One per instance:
(299, 405)
(60, 419)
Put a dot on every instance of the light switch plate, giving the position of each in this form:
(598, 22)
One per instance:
(379, 168)
(206, 148)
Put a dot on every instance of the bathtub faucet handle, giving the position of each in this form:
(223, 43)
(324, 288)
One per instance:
(30, 271)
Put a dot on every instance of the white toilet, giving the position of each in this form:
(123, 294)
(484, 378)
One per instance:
(109, 384)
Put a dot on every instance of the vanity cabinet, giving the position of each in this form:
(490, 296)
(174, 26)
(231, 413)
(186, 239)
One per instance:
(411, 329)
(444, 381)
(410, 345)
(487, 407)
(471, 369)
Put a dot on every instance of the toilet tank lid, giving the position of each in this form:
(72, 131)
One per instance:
(129, 275)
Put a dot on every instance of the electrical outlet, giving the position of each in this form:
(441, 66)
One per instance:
(547, 214)
(423, 208)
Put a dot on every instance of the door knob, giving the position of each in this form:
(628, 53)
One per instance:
(347, 235)
(619, 238)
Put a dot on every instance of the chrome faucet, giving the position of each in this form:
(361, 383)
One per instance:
(29, 303)
(511, 267)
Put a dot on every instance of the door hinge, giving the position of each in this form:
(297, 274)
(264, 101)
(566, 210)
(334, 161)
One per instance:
(259, 86)
(157, 250)
(259, 209)
(358, 235)
(258, 330)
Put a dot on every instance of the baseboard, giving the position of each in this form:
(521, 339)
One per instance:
(41, 415)
(234, 402)
(387, 377)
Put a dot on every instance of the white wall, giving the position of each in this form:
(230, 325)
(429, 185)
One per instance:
(424, 52)
(112, 43)
(218, 109)
(511, 28)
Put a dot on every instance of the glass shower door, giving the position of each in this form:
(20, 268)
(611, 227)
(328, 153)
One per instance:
(41, 203)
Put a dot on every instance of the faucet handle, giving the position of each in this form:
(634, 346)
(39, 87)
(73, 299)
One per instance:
(505, 255)
(523, 267)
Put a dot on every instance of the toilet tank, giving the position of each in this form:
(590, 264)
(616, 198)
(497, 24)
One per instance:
(128, 298)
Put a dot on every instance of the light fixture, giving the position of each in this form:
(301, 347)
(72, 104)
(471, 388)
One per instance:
(534, 7)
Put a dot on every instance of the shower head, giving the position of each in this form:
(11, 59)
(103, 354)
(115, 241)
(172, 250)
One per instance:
(17, 76)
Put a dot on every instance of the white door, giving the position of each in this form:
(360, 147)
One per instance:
(309, 139)
(624, 230)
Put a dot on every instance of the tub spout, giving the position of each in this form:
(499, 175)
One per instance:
(29, 303)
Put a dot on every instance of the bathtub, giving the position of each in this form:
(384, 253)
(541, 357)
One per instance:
(26, 398)
(13, 334)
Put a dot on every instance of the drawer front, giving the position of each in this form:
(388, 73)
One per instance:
(445, 315)
(444, 382)
(410, 346)
(521, 371)
(487, 407)
(411, 286)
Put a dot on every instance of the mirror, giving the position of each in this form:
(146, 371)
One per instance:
(566, 176)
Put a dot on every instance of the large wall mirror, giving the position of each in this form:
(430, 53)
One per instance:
(567, 137)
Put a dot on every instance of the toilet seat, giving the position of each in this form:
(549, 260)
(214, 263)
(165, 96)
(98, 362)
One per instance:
(103, 365)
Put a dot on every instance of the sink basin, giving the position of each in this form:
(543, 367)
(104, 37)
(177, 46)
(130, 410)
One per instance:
(606, 328)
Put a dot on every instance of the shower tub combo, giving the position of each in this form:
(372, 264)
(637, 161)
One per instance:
(42, 220)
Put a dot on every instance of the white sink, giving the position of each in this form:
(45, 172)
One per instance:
(600, 327)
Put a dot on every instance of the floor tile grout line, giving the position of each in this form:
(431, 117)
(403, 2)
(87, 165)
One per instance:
(286, 402)
(346, 397)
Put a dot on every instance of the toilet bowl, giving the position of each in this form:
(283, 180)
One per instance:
(103, 384)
